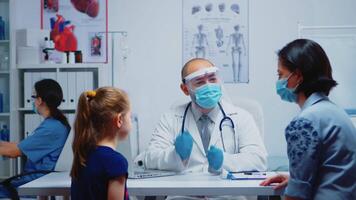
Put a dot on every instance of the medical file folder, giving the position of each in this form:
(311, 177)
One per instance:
(72, 96)
(27, 89)
(30, 78)
(62, 79)
(72, 83)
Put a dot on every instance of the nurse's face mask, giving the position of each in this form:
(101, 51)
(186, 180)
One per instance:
(34, 108)
(204, 87)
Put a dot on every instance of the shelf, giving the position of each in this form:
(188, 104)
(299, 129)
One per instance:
(4, 72)
(3, 177)
(4, 114)
(30, 109)
(55, 66)
(4, 41)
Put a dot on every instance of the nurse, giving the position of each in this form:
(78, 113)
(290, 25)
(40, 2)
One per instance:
(207, 133)
(321, 139)
(42, 147)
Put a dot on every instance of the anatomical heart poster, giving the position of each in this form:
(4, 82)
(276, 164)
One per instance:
(218, 31)
(77, 25)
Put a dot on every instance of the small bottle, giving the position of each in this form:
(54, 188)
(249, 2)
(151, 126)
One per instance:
(4, 61)
(71, 58)
(78, 57)
(67, 56)
(2, 29)
(1, 131)
(1, 103)
(5, 133)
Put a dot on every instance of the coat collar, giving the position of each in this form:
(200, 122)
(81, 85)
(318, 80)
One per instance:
(213, 114)
(313, 99)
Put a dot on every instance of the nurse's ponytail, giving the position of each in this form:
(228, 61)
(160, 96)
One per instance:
(95, 113)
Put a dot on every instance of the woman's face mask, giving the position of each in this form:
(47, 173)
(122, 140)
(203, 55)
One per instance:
(286, 94)
(34, 107)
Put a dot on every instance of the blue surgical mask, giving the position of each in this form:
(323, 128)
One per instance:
(35, 110)
(286, 94)
(208, 95)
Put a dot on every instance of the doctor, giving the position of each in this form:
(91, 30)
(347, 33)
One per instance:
(208, 133)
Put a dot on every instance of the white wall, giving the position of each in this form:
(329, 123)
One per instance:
(155, 37)
(154, 27)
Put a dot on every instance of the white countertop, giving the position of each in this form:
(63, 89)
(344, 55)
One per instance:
(187, 184)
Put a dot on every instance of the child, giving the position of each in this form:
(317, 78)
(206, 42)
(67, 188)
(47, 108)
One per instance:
(44, 145)
(98, 171)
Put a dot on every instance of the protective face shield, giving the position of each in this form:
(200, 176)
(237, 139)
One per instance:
(204, 87)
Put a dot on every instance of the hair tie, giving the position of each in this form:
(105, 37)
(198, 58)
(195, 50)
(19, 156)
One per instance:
(91, 94)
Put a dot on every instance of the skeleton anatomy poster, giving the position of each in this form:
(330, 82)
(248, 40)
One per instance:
(218, 31)
(77, 25)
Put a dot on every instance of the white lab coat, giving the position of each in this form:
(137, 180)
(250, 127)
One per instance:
(250, 152)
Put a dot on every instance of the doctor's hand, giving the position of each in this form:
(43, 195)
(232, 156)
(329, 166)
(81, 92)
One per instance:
(280, 179)
(184, 145)
(215, 158)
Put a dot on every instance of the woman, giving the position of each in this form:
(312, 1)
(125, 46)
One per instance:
(43, 147)
(321, 140)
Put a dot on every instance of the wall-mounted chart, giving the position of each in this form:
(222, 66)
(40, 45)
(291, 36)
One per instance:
(218, 31)
(77, 25)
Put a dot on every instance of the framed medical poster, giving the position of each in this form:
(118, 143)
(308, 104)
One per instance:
(218, 31)
(78, 25)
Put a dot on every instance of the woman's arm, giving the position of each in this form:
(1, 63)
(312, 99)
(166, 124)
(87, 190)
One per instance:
(280, 181)
(116, 188)
(9, 149)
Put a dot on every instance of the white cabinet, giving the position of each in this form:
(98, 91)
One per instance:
(73, 79)
(5, 82)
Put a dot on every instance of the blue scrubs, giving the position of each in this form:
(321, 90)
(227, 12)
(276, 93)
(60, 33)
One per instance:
(321, 143)
(42, 149)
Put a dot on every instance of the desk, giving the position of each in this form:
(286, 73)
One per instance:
(58, 184)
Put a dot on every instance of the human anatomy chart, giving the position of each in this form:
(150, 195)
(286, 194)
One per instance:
(77, 25)
(218, 30)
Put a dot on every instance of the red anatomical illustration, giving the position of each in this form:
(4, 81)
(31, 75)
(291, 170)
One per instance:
(96, 45)
(51, 5)
(90, 7)
(55, 26)
(66, 41)
(62, 34)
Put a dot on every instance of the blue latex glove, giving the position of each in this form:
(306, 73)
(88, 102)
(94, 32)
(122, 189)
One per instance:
(184, 145)
(215, 158)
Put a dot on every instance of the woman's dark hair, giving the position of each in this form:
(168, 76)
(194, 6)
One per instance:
(51, 93)
(311, 60)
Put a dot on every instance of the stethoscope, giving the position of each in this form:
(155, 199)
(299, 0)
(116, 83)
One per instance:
(225, 118)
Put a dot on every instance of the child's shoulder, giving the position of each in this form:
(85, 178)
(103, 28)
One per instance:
(109, 152)
(113, 163)
(111, 158)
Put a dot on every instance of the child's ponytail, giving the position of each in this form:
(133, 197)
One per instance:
(84, 138)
